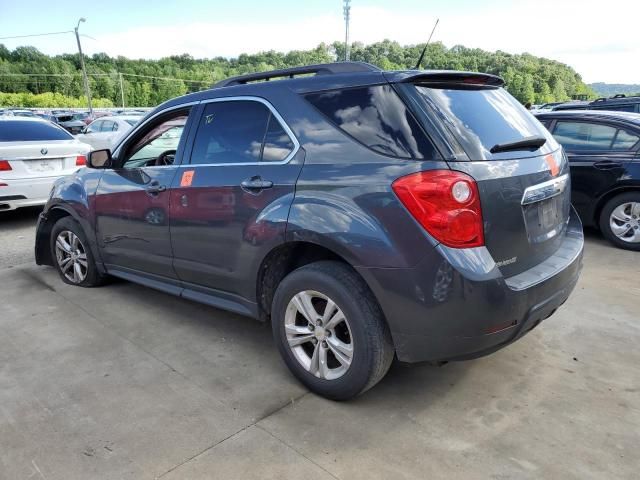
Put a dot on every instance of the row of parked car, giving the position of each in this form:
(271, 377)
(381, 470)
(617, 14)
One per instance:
(619, 103)
(74, 122)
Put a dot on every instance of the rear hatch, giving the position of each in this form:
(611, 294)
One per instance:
(521, 171)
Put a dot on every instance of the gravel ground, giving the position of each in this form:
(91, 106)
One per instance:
(17, 236)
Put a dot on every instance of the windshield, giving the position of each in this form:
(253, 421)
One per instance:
(480, 118)
(27, 131)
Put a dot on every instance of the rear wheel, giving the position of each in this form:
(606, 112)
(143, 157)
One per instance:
(72, 256)
(330, 330)
(620, 221)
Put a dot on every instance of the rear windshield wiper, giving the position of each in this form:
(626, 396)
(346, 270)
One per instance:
(528, 143)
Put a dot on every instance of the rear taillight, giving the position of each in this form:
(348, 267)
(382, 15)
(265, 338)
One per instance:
(81, 161)
(4, 166)
(446, 204)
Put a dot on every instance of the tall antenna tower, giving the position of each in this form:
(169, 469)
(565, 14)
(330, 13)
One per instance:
(347, 16)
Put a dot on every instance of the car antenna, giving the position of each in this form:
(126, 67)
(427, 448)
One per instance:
(424, 50)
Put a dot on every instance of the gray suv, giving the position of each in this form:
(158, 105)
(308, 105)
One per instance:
(368, 215)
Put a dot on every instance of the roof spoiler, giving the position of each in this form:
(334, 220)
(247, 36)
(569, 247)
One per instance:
(444, 76)
(320, 69)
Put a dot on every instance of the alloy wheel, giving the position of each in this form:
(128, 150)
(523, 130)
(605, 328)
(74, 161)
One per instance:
(624, 222)
(71, 256)
(319, 335)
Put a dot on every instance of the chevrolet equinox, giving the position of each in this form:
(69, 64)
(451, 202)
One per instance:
(368, 215)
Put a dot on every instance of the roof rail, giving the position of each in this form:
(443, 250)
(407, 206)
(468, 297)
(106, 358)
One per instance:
(619, 95)
(601, 99)
(320, 69)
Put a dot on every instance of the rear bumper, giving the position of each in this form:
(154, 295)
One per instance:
(456, 305)
(25, 192)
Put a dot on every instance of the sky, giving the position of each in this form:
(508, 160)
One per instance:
(599, 39)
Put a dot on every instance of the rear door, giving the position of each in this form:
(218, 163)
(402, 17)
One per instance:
(524, 192)
(132, 199)
(229, 204)
(598, 153)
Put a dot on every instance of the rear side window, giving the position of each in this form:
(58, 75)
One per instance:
(580, 136)
(625, 140)
(25, 131)
(480, 118)
(376, 117)
(239, 132)
(617, 108)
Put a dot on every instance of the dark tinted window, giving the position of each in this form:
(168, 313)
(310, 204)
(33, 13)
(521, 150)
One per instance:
(625, 140)
(480, 118)
(617, 108)
(25, 131)
(578, 136)
(235, 132)
(277, 144)
(376, 117)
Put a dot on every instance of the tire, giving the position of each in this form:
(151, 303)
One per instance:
(342, 375)
(71, 234)
(623, 212)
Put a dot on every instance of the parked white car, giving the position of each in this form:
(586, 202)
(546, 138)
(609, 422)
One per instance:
(106, 131)
(34, 153)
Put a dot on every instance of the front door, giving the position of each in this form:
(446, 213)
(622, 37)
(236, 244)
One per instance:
(132, 199)
(230, 201)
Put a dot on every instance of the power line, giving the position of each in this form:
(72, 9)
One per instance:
(36, 35)
(175, 79)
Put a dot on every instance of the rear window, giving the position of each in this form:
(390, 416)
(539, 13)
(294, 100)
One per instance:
(21, 131)
(481, 118)
(376, 117)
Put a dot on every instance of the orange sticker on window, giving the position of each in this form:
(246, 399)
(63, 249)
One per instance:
(553, 165)
(187, 178)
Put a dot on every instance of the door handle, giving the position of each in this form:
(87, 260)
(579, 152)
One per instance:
(155, 188)
(255, 184)
(607, 165)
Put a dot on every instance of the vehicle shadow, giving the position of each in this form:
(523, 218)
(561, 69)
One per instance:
(19, 218)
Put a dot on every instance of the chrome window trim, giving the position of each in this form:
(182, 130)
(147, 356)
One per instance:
(274, 112)
(545, 190)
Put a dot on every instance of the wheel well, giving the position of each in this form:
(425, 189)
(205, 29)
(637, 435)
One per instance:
(43, 252)
(280, 262)
(608, 196)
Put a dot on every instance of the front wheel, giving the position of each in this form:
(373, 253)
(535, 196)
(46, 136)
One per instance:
(620, 221)
(330, 330)
(72, 256)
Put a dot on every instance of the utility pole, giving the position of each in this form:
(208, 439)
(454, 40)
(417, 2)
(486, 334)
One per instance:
(121, 89)
(84, 70)
(347, 15)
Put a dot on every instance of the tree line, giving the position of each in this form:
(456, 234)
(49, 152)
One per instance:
(29, 72)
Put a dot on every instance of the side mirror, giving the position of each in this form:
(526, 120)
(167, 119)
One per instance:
(100, 159)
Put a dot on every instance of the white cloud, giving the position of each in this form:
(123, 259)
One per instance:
(600, 46)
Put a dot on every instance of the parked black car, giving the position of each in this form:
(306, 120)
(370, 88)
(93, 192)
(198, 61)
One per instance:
(367, 214)
(604, 154)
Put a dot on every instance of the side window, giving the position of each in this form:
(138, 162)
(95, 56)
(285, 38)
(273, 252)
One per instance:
(115, 127)
(107, 125)
(239, 131)
(156, 144)
(95, 126)
(277, 144)
(580, 136)
(376, 117)
(625, 140)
